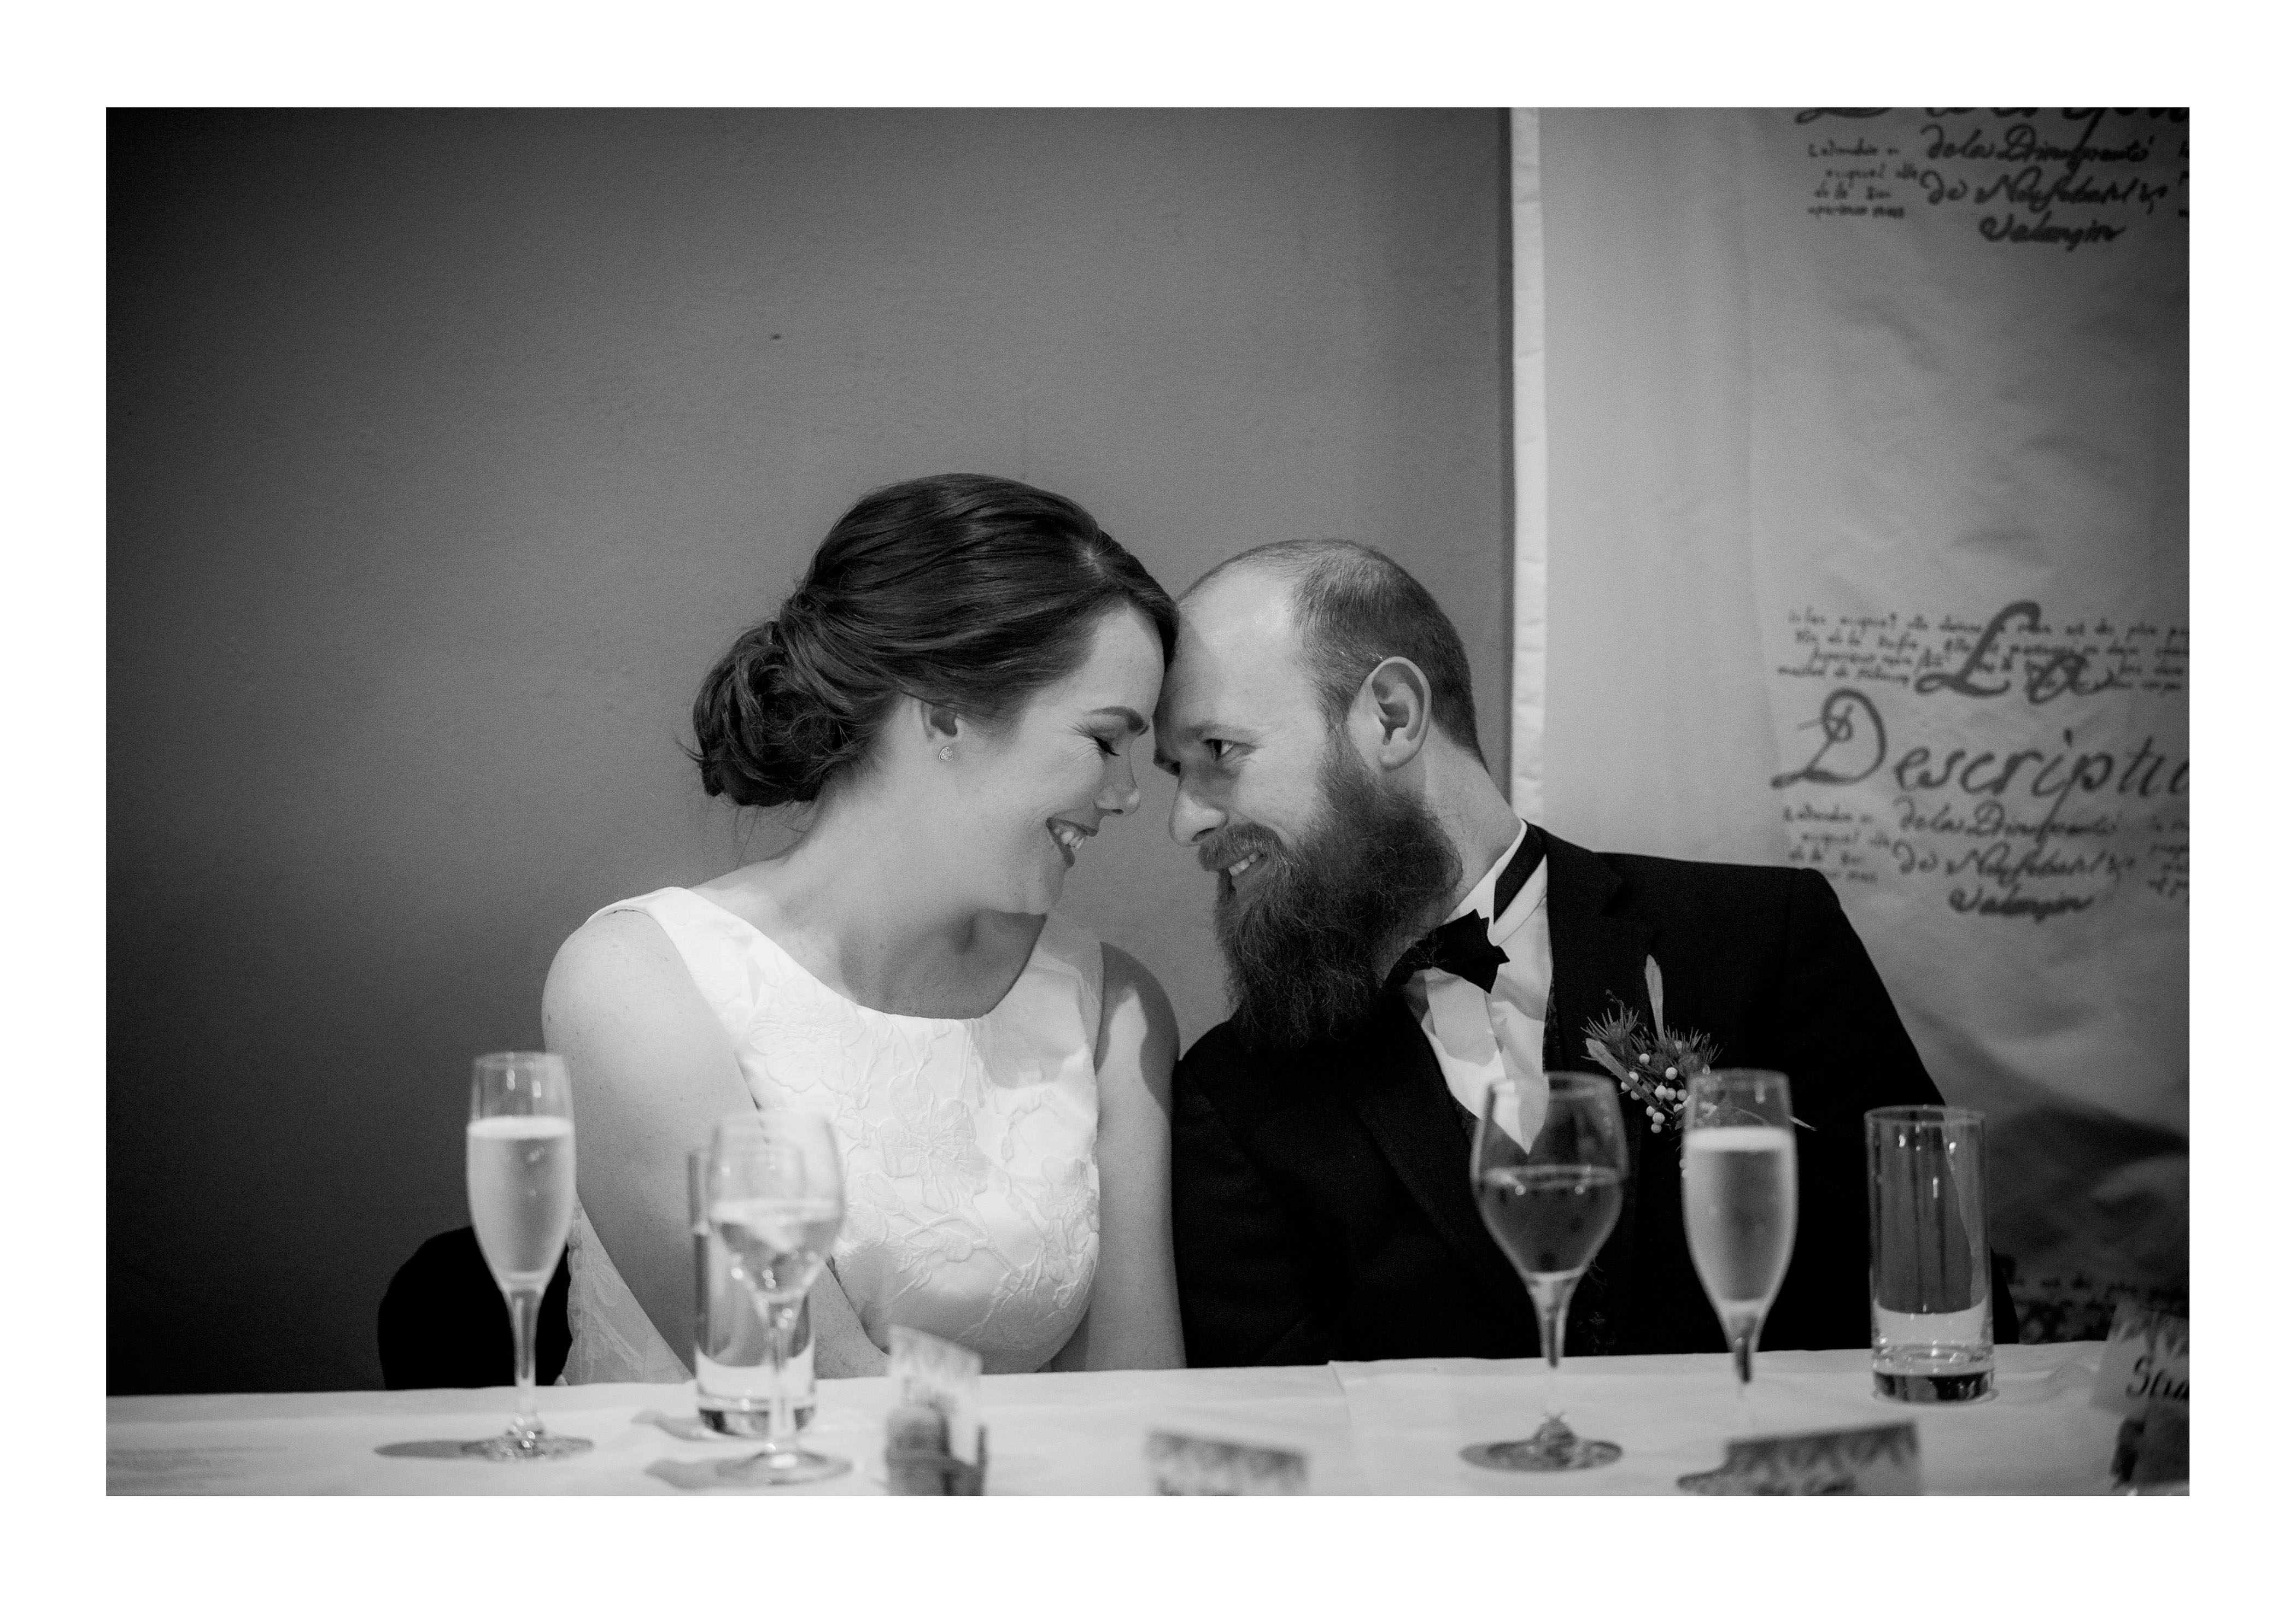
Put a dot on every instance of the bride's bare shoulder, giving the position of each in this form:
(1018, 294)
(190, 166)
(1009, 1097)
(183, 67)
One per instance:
(611, 955)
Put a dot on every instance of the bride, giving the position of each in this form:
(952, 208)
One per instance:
(952, 695)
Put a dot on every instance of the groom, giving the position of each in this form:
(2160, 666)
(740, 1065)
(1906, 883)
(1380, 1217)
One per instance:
(1319, 718)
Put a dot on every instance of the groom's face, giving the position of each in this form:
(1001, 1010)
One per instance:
(1242, 729)
(1322, 872)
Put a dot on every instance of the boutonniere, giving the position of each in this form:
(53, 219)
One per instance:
(1653, 1064)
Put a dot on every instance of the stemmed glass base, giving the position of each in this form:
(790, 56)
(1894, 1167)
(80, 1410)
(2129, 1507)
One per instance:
(780, 1466)
(535, 1445)
(783, 1464)
(1553, 1447)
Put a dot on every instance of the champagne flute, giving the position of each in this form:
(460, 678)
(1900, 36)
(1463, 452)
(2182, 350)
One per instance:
(1739, 1200)
(517, 1160)
(1550, 1201)
(776, 1198)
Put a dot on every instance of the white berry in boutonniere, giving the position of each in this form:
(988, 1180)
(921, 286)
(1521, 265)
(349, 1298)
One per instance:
(1651, 1063)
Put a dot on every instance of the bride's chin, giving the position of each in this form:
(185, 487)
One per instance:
(1044, 893)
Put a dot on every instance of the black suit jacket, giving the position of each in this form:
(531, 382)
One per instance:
(1321, 1208)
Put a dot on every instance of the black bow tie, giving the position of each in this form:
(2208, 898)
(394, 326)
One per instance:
(1463, 947)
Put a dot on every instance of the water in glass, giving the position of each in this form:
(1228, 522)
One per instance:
(776, 1198)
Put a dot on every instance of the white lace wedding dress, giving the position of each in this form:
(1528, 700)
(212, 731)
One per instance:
(971, 1197)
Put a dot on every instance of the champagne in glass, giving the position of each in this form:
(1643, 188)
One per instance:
(1739, 1199)
(520, 1169)
(517, 1160)
(776, 1198)
(1549, 1199)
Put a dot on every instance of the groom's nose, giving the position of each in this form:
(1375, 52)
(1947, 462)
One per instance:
(1191, 816)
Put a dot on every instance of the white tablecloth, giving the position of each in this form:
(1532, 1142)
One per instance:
(1393, 1427)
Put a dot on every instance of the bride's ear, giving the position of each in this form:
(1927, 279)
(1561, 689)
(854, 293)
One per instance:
(939, 727)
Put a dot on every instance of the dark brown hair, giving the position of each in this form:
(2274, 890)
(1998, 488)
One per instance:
(964, 591)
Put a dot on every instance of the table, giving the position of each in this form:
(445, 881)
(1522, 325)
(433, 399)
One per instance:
(1394, 1426)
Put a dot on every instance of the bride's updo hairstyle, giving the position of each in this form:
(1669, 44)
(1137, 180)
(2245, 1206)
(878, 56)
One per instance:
(964, 591)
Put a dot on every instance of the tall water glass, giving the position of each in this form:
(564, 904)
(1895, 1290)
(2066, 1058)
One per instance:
(1549, 1197)
(732, 1371)
(1740, 1199)
(776, 1196)
(518, 1158)
(1931, 1269)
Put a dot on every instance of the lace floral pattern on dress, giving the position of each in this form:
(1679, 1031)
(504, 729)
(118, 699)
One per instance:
(971, 1194)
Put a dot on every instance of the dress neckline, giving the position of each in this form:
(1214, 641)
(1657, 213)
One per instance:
(1035, 951)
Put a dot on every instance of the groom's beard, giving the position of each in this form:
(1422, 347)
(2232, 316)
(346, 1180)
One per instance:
(1305, 947)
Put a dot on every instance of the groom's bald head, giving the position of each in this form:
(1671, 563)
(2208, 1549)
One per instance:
(1350, 609)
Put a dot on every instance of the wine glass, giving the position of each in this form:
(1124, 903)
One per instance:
(1550, 1197)
(517, 1160)
(777, 1197)
(1739, 1197)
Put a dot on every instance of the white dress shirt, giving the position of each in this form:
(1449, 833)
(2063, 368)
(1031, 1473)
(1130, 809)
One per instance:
(1478, 1035)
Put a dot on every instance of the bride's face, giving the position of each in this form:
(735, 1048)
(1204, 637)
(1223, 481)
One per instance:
(1030, 798)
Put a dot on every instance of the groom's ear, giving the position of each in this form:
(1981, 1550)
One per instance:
(1389, 718)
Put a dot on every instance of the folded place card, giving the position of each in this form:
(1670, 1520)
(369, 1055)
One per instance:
(2153, 1450)
(927, 1369)
(917, 1457)
(1867, 1460)
(2147, 1356)
(1182, 1463)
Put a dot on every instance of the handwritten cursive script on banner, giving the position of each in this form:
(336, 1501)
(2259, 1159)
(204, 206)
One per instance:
(2070, 179)
(2035, 828)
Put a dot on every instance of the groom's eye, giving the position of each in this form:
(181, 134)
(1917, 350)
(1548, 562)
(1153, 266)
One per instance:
(1219, 750)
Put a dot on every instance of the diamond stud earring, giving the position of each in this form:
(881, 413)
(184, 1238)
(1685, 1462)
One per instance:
(948, 753)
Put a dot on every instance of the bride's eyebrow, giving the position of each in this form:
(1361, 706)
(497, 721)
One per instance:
(1133, 722)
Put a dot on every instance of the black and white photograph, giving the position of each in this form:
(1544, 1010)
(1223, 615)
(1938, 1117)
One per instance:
(1318, 799)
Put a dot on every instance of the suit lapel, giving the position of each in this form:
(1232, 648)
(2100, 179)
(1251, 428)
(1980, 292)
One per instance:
(1598, 960)
(1399, 1090)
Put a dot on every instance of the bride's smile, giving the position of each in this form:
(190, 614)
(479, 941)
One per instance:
(1016, 804)
(1068, 835)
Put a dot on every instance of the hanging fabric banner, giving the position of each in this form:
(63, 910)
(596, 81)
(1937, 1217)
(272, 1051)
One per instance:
(1949, 346)
(1526, 745)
